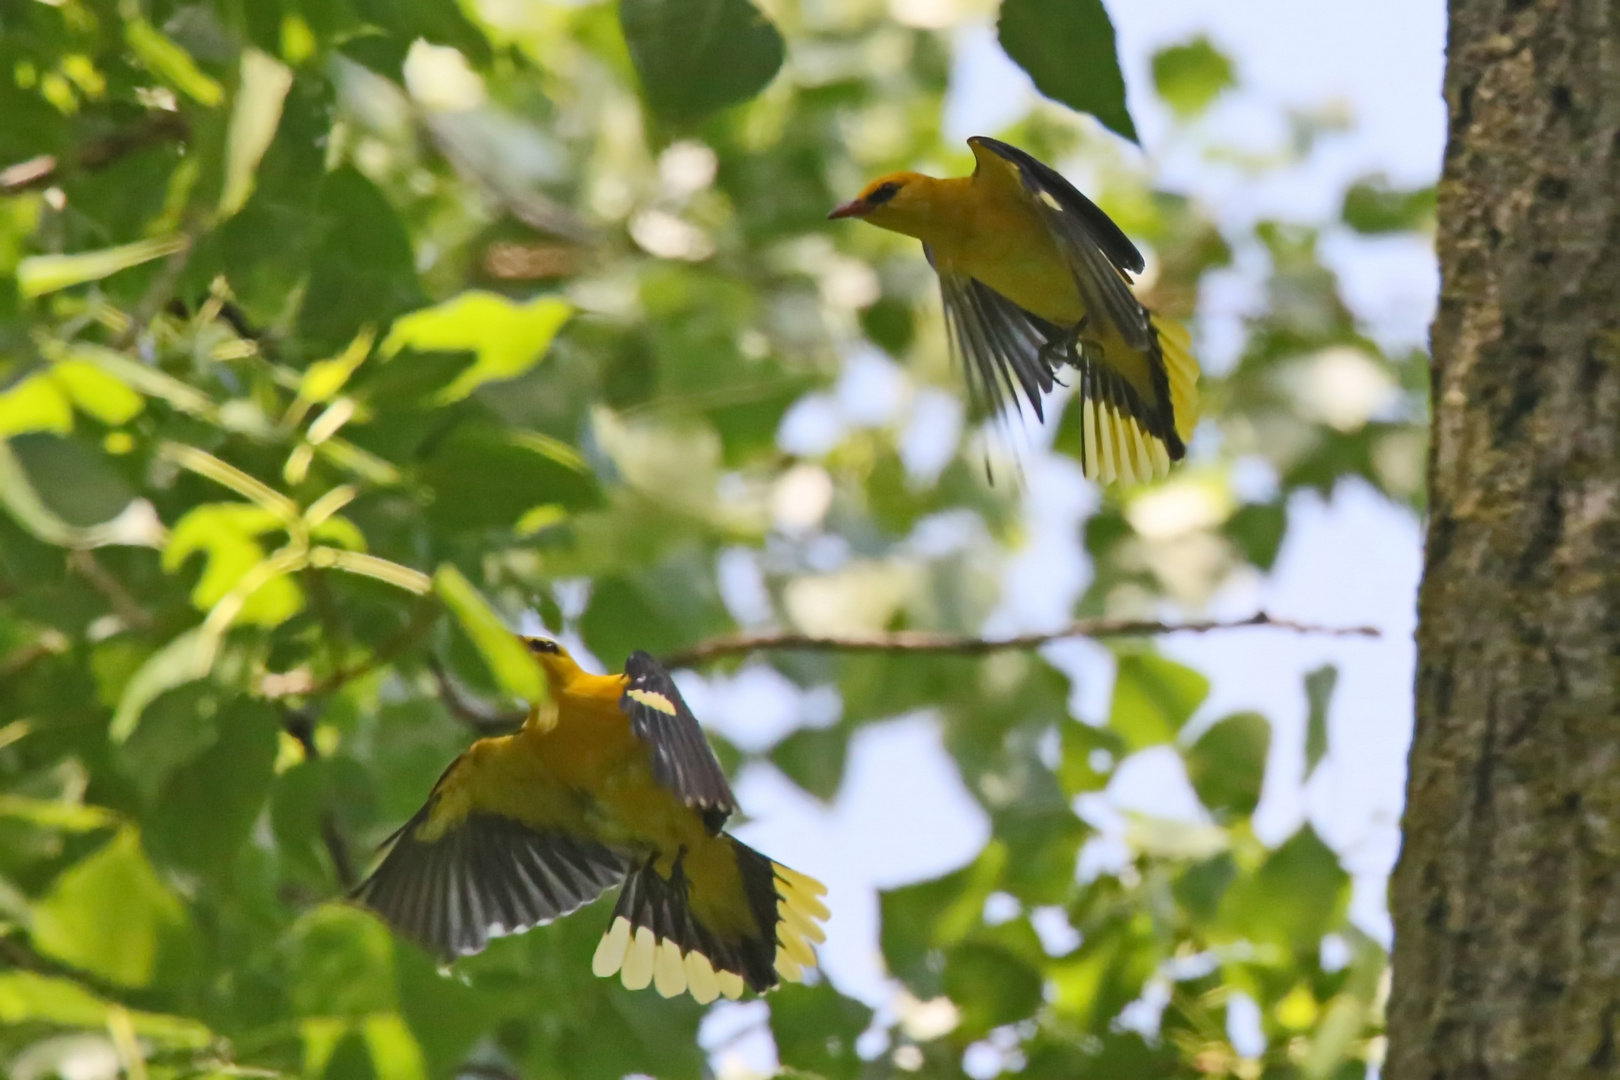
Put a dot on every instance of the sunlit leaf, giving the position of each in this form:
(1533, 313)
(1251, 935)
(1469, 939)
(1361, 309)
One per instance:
(27, 997)
(507, 338)
(1192, 75)
(41, 274)
(1153, 698)
(1292, 899)
(1227, 765)
(262, 87)
(1067, 46)
(509, 661)
(181, 661)
(171, 63)
(109, 914)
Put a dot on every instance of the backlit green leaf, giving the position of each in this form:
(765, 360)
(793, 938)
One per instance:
(1153, 698)
(1227, 765)
(1067, 46)
(1192, 75)
(509, 661)
(109, 914)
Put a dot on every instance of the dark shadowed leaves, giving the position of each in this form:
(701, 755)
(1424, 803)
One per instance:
(1067, 46)
(696, 56)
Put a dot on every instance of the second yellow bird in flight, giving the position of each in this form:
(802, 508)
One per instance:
(1035, 277)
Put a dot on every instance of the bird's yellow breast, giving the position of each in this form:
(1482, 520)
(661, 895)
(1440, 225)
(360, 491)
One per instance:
(1000, 238)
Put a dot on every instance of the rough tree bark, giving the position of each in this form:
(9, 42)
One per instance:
(1507, 896)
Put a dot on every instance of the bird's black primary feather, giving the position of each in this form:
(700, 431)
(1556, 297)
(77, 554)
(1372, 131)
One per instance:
(482, 878)
(682, 758)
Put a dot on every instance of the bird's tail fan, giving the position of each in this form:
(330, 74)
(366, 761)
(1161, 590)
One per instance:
(753, 940)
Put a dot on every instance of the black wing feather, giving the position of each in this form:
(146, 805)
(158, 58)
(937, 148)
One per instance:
(682, 759)
(998, 345)
(1101, 257)
(483, 878)
(1105, 234)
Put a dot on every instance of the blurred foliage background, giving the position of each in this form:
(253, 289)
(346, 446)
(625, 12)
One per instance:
(336, 334)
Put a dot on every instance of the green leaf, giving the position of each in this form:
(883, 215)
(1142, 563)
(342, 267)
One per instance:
(1153, 698)
(41, 999)
(98, 393)
(1067, 46)
(1257, 529)
(182, 660)
(991, 986)
(75, 482)
(109, 914)
(260, 91)
(37, 403)
(345, 964)
(1090, 755)
(507, 658)
(41, 274)
(209, 806)
(1372, 207)
(1191, 76)
(1227, 765)
(919, 920)
(1298, 894)
(1319, 686)
(507, 338)
(56, 814)
(696, 56)
(816, 1027)
(363, 269)
(20, 493)
(171, 63)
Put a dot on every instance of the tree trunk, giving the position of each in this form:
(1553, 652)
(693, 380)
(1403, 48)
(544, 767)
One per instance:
(1507, 897)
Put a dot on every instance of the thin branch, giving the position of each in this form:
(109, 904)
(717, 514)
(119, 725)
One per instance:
(300, 724)
(400, 642)
(482, 718)
(83, 562)
(155, 128)
(925, 641)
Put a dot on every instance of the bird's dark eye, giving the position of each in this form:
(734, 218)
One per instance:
(882, 194)
(540, 645)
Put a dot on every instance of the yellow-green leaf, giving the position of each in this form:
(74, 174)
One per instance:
(260, 92)
(109, 914)
(56, 814)
(171, 63)
(41, 274)
(94, 391)
(509, 661)
(43, 999)
(37, 403)
(507, 338)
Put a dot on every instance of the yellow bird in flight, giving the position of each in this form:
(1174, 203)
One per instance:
(610, 783)
(1035, 276)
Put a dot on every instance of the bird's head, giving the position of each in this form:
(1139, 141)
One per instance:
(898, 202)
(553, 659)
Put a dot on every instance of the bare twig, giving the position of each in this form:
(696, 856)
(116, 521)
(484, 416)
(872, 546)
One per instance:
(84, 563)
(482, 718)
(300, 724)
(155, 128)
(925, 641)
(421, 620)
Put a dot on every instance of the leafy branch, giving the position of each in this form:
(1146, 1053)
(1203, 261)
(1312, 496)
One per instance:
(927, 641)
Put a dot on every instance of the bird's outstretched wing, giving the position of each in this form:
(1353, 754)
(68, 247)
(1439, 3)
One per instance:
(997, 343)
(1100, 256)
(451, 888)
(682, 759)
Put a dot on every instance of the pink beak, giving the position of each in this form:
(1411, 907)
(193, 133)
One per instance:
(853, 208)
